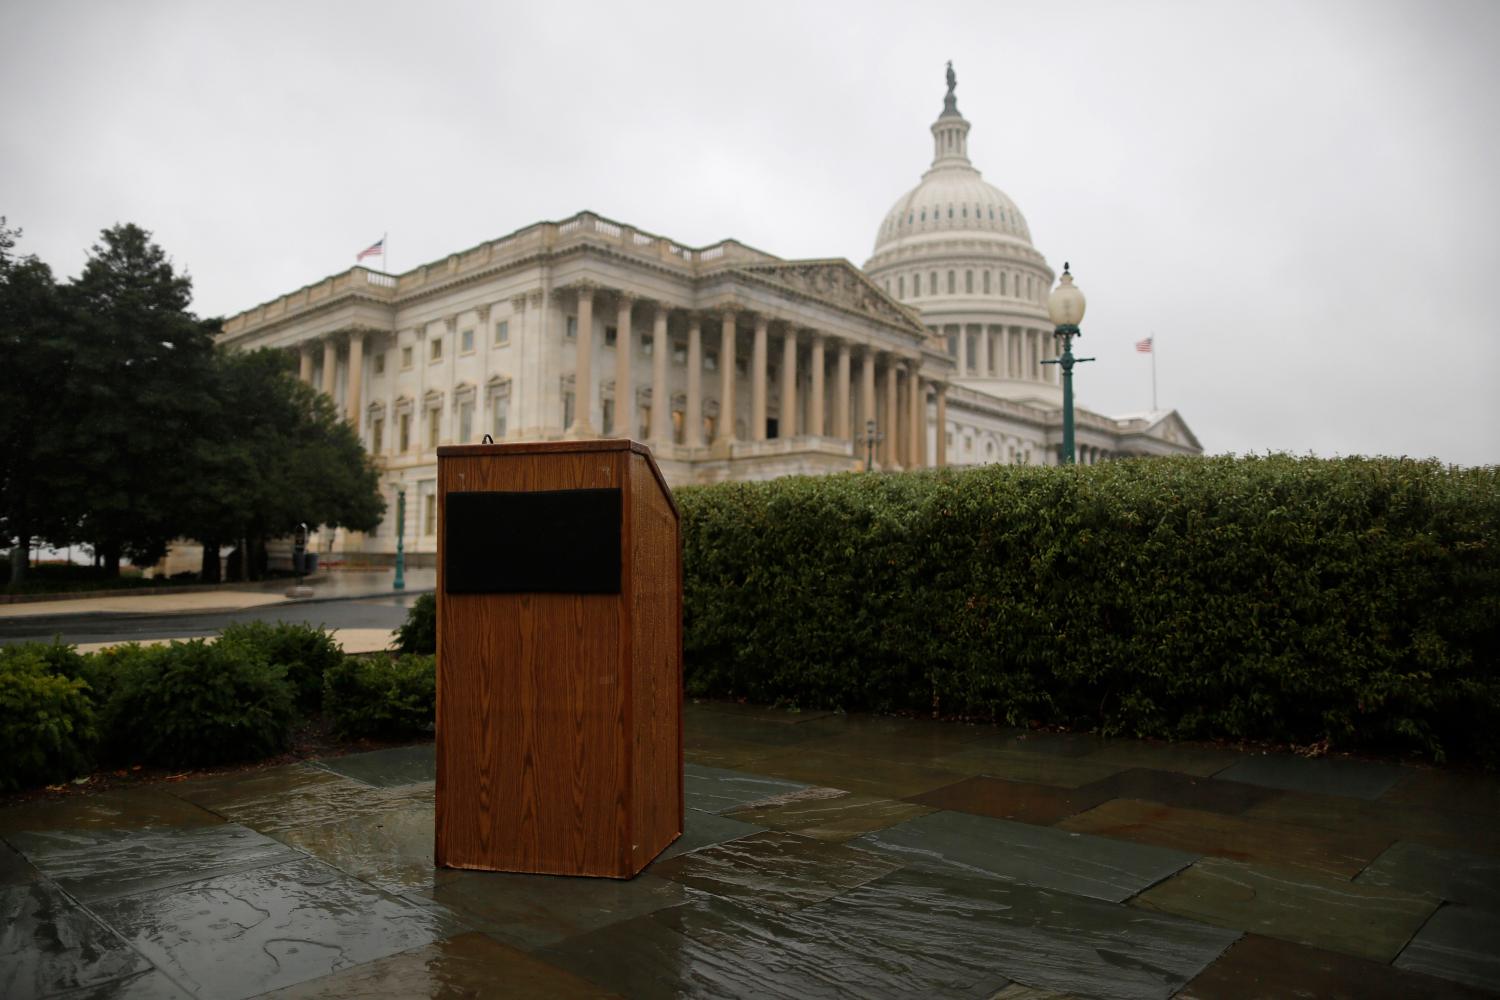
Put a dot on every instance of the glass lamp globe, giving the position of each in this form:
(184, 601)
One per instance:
(1066, 303)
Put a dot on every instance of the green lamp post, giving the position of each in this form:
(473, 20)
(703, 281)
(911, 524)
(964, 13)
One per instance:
(400, 583)
(1065, 307)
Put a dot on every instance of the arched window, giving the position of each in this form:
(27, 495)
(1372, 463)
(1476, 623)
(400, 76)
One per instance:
(986, 282)
(968, 282)
(966, 211)
(950, 283)
(932, 288)
(950, 211)
(924, 215)
(901, 286)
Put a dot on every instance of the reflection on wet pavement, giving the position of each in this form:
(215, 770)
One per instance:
(822, 855)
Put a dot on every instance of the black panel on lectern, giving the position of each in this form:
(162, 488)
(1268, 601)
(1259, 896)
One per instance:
(558, 542)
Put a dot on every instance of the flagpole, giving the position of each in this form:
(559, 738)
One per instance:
(385, 255)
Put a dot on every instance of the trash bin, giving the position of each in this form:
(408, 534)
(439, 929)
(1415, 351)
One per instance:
(559, 659)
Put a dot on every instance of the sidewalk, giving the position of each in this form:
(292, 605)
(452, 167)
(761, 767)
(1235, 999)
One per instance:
(824, 856)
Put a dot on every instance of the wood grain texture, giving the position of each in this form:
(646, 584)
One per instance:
(558, 720)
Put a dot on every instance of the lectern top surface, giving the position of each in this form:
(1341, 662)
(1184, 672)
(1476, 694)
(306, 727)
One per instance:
(586, 446)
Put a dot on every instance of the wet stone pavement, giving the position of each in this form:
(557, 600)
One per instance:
(824, 856)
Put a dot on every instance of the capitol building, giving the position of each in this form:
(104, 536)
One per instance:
(729, 362)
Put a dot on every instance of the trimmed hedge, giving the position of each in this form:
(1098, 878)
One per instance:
(189, 704)
(418, 634)
(46, 716)
(1300, 599)
(305, 651)
(382, 698)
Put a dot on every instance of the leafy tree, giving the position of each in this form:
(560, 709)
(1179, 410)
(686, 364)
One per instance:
(36, 342)
(280, 455)
(142, 387)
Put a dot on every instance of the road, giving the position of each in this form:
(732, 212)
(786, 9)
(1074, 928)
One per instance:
(366, 612)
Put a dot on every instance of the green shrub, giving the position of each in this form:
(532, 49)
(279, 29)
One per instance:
(191, 704)
(418, 634)
(47, 728)
(305, 651)
(1355, 600)
(381, 697)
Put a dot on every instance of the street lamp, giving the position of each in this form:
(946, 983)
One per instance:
(872, 438)
(1065, 307)
(400, 583)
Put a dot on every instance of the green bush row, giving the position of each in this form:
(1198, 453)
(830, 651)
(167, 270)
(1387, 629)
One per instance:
(189, 704)
(1354, 600)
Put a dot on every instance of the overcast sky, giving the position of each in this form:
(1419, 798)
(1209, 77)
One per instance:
(1299, 200)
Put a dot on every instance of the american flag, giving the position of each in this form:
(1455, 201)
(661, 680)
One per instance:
(376, 249)
(1144, 346)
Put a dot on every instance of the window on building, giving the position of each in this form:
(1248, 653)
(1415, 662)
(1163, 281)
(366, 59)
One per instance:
(677, 427)
(568, 408)
(742, 366)
(901, 287)
(434, 426)
(499, 410)
(986, 282)
(710, 423)
(648, 346)
(711, 360)
(377, 436)
(437, 348)
(924, 215)
(466, 342)
(1003, 284)
(379, 363)
(932, 286)
(405, 441)
(502, 333)
(570, 330)
(968, 282)
(406, 357)
(950, 211)
(465, 421)
(965, 212)
(950, 282)
(679, 353)
(608, 416)
(429, 515)
(611, 334)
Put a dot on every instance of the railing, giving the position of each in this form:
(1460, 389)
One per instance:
(712, 253)
(607, 228)
(380, 280)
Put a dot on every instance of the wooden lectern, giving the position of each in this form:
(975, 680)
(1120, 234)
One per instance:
(559, 659)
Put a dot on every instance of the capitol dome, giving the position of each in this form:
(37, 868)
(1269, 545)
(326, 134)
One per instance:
(957, 250)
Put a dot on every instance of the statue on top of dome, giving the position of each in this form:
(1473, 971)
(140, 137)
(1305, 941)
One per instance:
(950, 103)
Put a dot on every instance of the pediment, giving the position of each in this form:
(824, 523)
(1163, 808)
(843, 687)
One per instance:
(840, 283)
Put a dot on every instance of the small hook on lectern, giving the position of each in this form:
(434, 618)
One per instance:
(488, 440)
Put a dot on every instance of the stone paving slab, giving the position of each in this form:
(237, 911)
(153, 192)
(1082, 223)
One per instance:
(1262, 968)
(1420, 824)
(1094, 867)
(1038, 937)
(705, 829)
(1342, 853)
(391, 850)
(124, 808)
(471, 966)
(710, 947)
(1171, 788)
(98, 864)
(1455, 876)
(1299, 906)
(714, 789)
(1021, 801)
(1459, 942)
(297, 795)
(886, 778)
(49, 943)
(387, 768)
(240, 935)
(1322, 776)
(14, 868)
(1448, 791)
(1036, 768)
(532, 911)
(782, 871)
(832, 817)
(1200, 762)
(153, 985)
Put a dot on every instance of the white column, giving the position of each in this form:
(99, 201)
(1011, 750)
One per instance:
(866, 390)
(356, 377)
(725, 428)
(661, 396)
(815, 403)
(305, 363)
(786, 424)
(583, 369)
(942, 425)
(914, 418)
(1007, 370)
(330, 360)
(758, 381)
(890, 447)
(841, 395)
(963, 350)
(983, 333)
(624, 386)
(692, 421)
